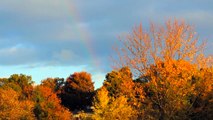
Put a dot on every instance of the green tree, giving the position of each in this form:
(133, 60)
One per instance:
(120, 84)
(21, 80)
(116, 82)
(20, 83)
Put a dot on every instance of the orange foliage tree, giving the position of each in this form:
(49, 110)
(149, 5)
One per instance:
(174, 74)
(178, 90)
(170, 88)
(174, 40)
(48, 105)
(55, 84)
(11, 108)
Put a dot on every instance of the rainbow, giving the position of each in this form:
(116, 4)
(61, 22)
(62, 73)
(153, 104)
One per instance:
(84, 34)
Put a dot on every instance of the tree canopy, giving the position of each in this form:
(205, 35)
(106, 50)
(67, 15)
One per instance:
(173, 41)
(77, 92)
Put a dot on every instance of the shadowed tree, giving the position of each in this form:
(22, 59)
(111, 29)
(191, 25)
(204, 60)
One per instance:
(56, 84)
(78, 91)
(120, 84)
(47, 105)
(202, 99)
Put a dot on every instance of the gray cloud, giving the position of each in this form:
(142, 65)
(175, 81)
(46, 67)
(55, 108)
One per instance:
(63, 32)
(17, 54)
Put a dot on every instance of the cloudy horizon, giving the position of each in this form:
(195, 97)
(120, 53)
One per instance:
(54, 38)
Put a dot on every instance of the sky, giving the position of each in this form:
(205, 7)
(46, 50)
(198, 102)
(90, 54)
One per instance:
(55, 38)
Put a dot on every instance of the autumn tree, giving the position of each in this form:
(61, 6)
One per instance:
(20, 83)
(202, 106)
(142, 48)
(169, 63)
(22, 80)
(109, 108)
(20, 100)
(11, 108)
(47, 105)
(116, 82)
(77, 91)
(178, 90)
(56, 84)
(121, 84)
(169, 89)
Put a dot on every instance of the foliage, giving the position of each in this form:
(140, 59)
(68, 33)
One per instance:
(174, 40)
(21, 80)
(55, 84)
(20, 83)
(120, 84)
(117, 82)
(169, 89)
(78, 91)
(107, 108)
(178, 90)
(11, 108)
(169, 65)
(202, 106)
(80, 82)
(48, 105)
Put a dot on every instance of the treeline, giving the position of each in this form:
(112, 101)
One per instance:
(159, 74)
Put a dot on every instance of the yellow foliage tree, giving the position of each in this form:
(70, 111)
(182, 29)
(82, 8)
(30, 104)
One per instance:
(106, 108)
(120, 83)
